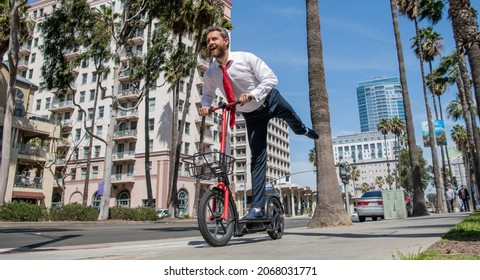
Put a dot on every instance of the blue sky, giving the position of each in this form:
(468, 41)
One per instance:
(358, 44)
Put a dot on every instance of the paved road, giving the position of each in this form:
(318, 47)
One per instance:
(381, 240)
(28, 236)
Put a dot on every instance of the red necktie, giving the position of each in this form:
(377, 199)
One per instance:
(227, 86)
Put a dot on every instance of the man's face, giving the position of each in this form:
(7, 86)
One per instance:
(216, 45)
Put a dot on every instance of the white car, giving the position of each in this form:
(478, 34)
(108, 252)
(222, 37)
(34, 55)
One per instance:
(162, 213)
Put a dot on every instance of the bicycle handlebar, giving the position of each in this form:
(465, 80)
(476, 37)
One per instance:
(224, 105)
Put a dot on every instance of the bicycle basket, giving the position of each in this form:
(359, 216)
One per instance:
(209, 165)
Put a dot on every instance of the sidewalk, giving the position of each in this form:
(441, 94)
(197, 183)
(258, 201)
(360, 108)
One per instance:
(381, 240)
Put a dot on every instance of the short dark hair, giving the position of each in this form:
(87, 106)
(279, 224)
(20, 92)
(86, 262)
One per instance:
(223, 31)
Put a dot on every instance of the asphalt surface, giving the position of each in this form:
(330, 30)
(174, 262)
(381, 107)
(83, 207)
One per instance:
(380, 240)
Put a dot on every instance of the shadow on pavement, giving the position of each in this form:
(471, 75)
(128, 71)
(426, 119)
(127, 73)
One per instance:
(34, 247)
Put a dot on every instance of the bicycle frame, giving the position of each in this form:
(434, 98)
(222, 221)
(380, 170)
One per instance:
(223, 183)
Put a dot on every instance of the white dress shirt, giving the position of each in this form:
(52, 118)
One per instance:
(247, 72)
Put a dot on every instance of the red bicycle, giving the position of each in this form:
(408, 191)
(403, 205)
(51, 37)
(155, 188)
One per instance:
(218, 218)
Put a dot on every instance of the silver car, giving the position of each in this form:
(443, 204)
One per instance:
(370, 205)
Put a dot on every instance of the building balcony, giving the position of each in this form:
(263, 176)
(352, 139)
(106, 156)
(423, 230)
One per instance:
(127, 55)
(203, 63)
(66, 124)
(25, 49)
(63, 144)
(124, 76)
(31, 153)
(137, 38)
(28, 182)
(130, 94)
(123, 178)
(71, 54)
(127, 115)
(209, 121)
(129, 134)
(123, 156)
(207, 141)
(62, 106)
(23, 65)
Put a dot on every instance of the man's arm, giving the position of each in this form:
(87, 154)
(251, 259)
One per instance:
(268, 79)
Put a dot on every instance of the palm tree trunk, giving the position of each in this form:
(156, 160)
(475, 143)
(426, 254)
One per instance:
(329, 210)
(146, 127)
(433, 145)
(419, 208)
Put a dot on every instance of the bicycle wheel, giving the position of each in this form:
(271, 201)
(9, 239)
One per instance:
(275, 213)
(215, 230)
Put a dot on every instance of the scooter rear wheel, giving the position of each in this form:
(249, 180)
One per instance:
(215, 230)
(275, 213)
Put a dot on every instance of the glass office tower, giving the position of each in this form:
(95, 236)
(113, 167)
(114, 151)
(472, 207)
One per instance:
(379, 98)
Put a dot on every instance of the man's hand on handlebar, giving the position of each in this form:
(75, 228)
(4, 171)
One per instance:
(204, 111)
(245, 98)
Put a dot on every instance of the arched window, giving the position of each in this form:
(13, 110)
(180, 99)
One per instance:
(183, 202)
(96, 201)
(56, 201)
(123, 199)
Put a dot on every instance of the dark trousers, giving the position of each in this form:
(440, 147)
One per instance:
(257, 125)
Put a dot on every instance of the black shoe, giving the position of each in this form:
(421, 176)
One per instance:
(253, 214)
(310, 133)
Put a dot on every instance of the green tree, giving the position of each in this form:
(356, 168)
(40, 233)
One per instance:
(397, 127)
(365, 187)
(384, 127)
(405, 171)
(379, 182)
(419, 207)
(355, 175)
(329, 210)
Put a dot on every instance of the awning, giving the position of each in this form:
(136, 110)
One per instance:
(31, 195)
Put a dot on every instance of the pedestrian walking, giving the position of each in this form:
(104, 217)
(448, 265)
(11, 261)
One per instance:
(450, 196)
(464, 196)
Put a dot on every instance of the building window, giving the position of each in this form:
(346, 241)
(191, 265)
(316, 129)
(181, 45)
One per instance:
(90, 113)
(30, 73)
(151, 124)
(150, 145)
(32, 57)
(83, 175)
(92, 94)
(38, 104)
(151, 104)
(187, 128)
(187, 148)
(101, 112)
(123, 199)
(73, 174)
(94, 77)
(97, 151)
(99, 130)
(47, 103)
(86, 151)
(78, 133)
(84, 78)
(96, 201)
(82, 97)
(94, 172)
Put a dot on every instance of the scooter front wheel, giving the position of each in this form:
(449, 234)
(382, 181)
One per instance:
(276, 215)
(214, 228)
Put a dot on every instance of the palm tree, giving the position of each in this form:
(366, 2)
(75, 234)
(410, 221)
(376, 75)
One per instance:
(397, 126)
(384, 127)
(379, 182)
(355, 175)
(410, 9)
(465, 32)
(365, 187)
(419, 208)
(329, 210)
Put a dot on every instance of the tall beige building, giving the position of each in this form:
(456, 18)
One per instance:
(128, 179)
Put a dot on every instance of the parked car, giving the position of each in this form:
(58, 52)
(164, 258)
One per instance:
(370, 205)
(162, 213)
